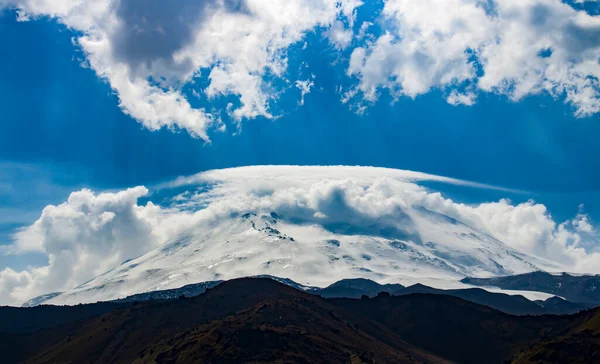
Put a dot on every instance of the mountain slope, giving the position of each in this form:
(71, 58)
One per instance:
(580, 345)
(257, 319)
(285, 331)
(426, 244)
(455, 329)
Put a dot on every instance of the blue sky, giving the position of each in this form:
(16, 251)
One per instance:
(61, 117)
(62, 129)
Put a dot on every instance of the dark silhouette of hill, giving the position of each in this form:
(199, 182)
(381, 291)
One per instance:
(261, 320)
(577, 289)
(512, 304)
(355, 288)
(558, 306)
(24, 331)
(20, 319)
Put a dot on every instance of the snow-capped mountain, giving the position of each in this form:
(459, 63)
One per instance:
(432, 248)
(313, 225)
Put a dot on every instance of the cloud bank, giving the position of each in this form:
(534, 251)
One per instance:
(92, 232)
(148, 51)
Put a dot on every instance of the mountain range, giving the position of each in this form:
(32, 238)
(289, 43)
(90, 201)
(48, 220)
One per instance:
(359, 287)
(262, 320)
(575, 288)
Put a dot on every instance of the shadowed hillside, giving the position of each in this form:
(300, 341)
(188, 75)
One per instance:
(581, 344)
(261, 320)
(247, 318)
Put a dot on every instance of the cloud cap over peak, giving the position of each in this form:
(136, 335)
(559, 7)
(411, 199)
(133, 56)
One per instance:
(93, 232)
(315, 174)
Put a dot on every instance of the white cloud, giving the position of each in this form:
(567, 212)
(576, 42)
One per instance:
(582, 223)
(313, 174)
(83, 237)
(305, 87)
(13, 283)
(512, 47)
(339, 35)
(457, 98)
(91, 233)
(147, 50)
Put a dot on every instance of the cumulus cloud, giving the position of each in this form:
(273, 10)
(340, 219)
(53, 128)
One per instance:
(147, 50)
(83, 237)
(529, 227)
(582, 224)
(380, 194)
(91, 233)
(511, 47)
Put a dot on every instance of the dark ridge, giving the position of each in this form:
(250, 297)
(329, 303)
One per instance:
(515, 305)
(355, 288)
(578, 289)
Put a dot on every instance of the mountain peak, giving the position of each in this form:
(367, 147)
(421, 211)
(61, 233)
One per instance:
(310, 252)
